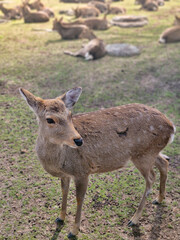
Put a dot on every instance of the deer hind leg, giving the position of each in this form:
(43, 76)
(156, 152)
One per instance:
(145, 166)
(65, 182)
(81, 187)
(162, 164)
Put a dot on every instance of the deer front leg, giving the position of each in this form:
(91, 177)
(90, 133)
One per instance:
(65, 181)
(81, 187)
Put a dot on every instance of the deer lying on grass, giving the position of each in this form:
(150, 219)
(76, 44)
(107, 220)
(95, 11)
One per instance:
(96, 142)
(99, 5)
(93, 23)
(11, 13)
(32, 17)
(116, 10)
(39, 6)
(86, 12)
(172, 34)
(93, 50)
(150, 5)
(71, 31)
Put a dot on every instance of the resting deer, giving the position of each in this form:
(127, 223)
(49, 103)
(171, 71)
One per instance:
(93, 50)
(150, 5)
(31, 17)
(87, 11)
(96, 142)
(93, 23)
(71, 31)
(99, 5)
(172, 34)
(11, 13)
(39, 6)
(115, 10)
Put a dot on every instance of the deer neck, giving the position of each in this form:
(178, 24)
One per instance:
(3, 9)
(51, 156)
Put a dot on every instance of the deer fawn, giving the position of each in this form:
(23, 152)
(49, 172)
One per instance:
(96, 142)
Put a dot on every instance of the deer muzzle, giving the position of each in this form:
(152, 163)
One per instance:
(78, 141)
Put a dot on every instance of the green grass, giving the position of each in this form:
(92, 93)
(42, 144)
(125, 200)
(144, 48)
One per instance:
(30, 198)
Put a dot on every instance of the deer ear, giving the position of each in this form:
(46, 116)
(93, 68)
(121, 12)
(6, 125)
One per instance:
(31, 100)
(71, 97)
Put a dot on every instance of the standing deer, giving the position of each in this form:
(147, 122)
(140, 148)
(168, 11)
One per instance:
(96, 142)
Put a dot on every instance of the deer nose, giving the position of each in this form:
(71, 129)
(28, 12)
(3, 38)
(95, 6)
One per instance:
(78, 141)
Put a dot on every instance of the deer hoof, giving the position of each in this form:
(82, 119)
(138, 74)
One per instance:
(131, 224)
(59, 222)
(155, 202)
(72, 236)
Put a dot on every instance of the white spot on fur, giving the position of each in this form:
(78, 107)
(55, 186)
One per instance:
(151, 128)
(171, 139)
(88, 56)
(164, 156)
(162, 40)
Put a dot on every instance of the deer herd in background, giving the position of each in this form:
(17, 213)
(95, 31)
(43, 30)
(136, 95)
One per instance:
(87, 20)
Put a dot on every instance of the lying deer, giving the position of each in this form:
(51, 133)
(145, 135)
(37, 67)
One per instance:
(99, 5)
(30, 17)
(39, 6)
(159, 2)
(96, 142)
(115, 10)
(93, 50)
(170, 35)
(11, 13)
(71, 31)
(150, 5)
(87, 11)
(93, 23)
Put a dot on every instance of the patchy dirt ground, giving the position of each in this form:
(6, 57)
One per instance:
(30, 198)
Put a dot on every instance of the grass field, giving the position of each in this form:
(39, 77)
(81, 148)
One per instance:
(30, 197)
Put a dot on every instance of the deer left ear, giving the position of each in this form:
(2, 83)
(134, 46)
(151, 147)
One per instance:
(71, 97)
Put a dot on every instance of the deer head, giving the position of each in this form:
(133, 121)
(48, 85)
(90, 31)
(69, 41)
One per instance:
(55, 118)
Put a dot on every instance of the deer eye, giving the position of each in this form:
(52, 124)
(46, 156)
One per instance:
(50, 120)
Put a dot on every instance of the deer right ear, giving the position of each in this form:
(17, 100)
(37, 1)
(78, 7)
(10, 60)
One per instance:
(29, 98)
